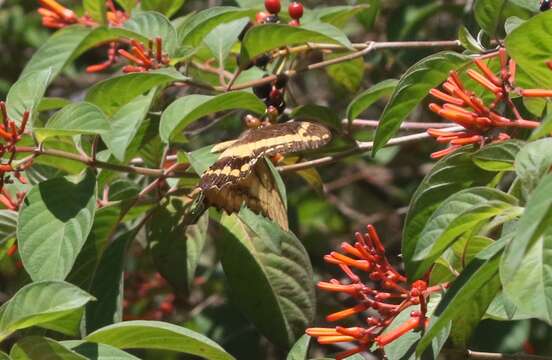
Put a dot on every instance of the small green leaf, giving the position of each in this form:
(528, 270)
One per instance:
(193, 32)
(263, 38)
(168, 8)
(151, 24)
(26, 94)
(221, 39)
(37, 347)
(448, 176)
(202, 159)
(300, 349)
(188, 109)
(125, 124)
(39, 303)
(499, 156)
(112, 94)
(75, 119)
(97, 351)
(338, 16)
(480, 275)
(158, 335)
(347, 74)
(317, 113)
(468, 41)
(532, 162)
(95, 9)
(53, 224)
(365, 99)
(459, 213)
(530, 45)
(270, 273)
(412, 88)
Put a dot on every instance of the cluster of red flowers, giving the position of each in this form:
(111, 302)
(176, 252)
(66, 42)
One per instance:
(483, 123)
(147, 297)
(388, 294)
(56, 16)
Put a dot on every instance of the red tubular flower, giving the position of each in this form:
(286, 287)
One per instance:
(464, 108)
(387, 295)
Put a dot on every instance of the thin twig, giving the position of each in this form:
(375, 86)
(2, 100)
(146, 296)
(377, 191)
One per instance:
(405, 125)
(479, 355)
(361, 147)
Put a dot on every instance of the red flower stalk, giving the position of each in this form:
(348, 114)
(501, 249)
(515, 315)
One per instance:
(387, 295)
(480, 120)
(145, 59)
(56, 16)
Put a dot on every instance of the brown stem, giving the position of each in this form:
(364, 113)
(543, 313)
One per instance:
(478, 355)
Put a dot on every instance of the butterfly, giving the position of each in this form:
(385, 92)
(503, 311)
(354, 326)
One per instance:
(241, 175)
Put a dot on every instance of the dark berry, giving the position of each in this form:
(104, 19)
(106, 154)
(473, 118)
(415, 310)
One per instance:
(261, 16)
(262, 91)
(275, 94)
(545, 5)
(295, 10)
(263, 60)
(273, 6)
(281, 81)
(245, 29)
(294, 23)
(272, 19)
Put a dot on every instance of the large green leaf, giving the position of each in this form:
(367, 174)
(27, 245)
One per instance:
(158, 335)
(476, 284)
(125, 124)
(75, 119)
(111, 94)
(412, 88)
(53, 224)
(221, 39)
(300, 349)
(499, 156)
(8, 225)
(37, 347)
(96, 10)
(532, 162)
(448, 176)
(366, 98)
(338, 16)
(262, 38)
(151, 24)
(458, 214)
(97, 351)
(39, 303)
(270, 275)
(530, 45)
(192, 32)
(26, 93)
(187, 109)
(167, 8)
(491, 15)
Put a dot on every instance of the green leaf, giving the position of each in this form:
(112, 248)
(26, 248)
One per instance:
(448, 176)
(158, 335)
(263, 38)
(459, 213)
(125, 124)
(479, 277)
(8, 225)
(499, 156)
(320, 114)
(127, 5)
(151, 24)
(488, 14)
(168, 8)
(530, 45)
(412, 88)
(468, 41)
(176, 248)
(188, 109)
(97, 351)
(347, 74)
(96, 10)
(107, 285)
(529, 286)
(53, 224)
(270, 275)
(113, 93)
(193, 32)
(221, 39)
(202, 159)
(338, 16)
(37, 347)
(4, 356)
(74, 119)
(26, 93)
(52, 103)
(532, 162)
(300, 349)
(366, 98)
(39, 303)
